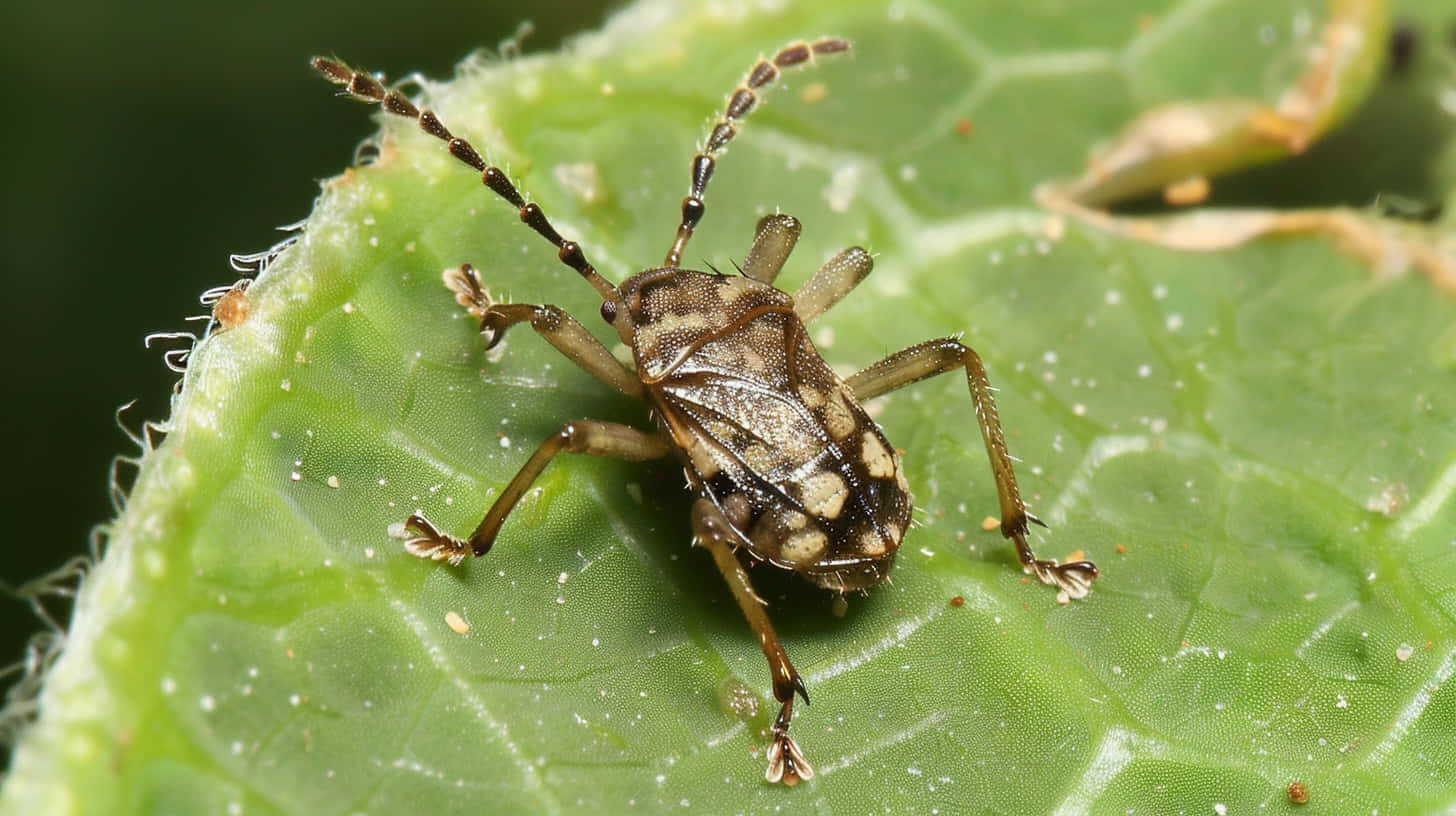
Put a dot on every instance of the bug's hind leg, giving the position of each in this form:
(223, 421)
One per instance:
(712, 530)
(580, 436)
(835, 279)
(937, 357)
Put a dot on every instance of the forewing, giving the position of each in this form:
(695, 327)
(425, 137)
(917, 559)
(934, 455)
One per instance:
(761, 415)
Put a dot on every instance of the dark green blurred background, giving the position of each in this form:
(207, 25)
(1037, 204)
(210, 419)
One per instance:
(145, 143)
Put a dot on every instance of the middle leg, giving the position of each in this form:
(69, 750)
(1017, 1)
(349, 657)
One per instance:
(582, 436)
(937, 357)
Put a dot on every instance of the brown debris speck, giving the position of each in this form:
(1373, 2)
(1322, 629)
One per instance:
(231, 310)
(1298, 793)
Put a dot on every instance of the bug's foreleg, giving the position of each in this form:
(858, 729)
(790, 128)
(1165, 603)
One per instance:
(559, 329)
(937, 357)
(786, 762)
(589, 436)
(835, 279)
(773, 240)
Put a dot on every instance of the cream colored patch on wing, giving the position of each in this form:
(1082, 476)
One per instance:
(811, 396)
(877, 459)
(870, 543)
(805, 547)
(894, 532)
(838, 419)
(823, 494)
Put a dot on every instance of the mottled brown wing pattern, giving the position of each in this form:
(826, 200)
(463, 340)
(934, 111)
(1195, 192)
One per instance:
(787, 463)
(773, 435)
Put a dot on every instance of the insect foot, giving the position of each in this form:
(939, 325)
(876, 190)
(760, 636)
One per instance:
(786, 762)
(1074, 578)
(469, 291)
(430, 543)
(494, 317)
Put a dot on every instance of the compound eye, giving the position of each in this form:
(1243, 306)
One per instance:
(609, 311)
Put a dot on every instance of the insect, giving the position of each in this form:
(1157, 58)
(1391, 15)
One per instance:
(786, 465)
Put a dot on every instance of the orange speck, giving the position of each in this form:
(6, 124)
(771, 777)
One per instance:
(957, 601)
(231, 310)
(457, 623)
(990, 523)
(963, 127)
(1298, 793)
(1121, 550)
(1189, 191)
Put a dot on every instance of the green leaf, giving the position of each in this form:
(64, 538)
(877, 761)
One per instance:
(1254, 441)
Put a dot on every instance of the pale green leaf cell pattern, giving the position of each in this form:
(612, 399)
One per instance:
(1256, 445)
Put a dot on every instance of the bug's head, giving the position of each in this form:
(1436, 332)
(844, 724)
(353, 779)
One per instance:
(626, 310)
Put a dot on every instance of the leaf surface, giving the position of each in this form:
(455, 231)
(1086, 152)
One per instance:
(1256, 443)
